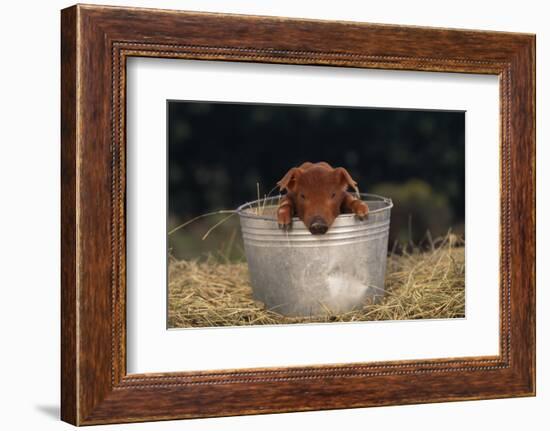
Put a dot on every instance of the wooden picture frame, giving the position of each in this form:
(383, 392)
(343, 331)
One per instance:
(95, 43)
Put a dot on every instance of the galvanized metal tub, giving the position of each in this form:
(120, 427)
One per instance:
(295, 273)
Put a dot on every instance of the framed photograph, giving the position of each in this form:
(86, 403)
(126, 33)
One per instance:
(264, 214)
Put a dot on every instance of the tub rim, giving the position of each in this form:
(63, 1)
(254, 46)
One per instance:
(242, 213)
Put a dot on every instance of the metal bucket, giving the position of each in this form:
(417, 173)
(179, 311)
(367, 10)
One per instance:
(296, 273)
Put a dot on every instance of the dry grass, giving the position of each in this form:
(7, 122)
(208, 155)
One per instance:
(425, 285)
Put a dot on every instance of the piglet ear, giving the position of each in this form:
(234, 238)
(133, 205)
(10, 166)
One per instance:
(288, 182)
(345, 179)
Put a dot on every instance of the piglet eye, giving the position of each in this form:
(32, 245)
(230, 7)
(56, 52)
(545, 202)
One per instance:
(333, 195)
(302, 196)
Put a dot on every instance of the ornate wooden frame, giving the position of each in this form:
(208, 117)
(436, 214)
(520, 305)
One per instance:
(95, 43)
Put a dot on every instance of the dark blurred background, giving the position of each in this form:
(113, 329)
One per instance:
(218, 153)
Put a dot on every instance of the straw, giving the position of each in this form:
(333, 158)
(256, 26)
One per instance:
(419, 285)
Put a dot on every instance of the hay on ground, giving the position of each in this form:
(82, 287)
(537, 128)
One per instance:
(426, 285)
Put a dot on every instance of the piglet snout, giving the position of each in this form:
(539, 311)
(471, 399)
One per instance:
(318, 226)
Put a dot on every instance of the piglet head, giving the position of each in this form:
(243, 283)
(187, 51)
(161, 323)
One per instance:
(317, 194)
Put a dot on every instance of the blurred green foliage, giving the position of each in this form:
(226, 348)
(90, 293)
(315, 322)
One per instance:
(219, 152)
(419, 212)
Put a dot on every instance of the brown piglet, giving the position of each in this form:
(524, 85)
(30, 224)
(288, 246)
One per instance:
(317, 194)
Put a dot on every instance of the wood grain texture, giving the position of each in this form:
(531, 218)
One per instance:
(96, 41)
(69, 366)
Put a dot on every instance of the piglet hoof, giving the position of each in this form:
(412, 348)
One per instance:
(284, 219)
(361, 210)
(284, 226)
